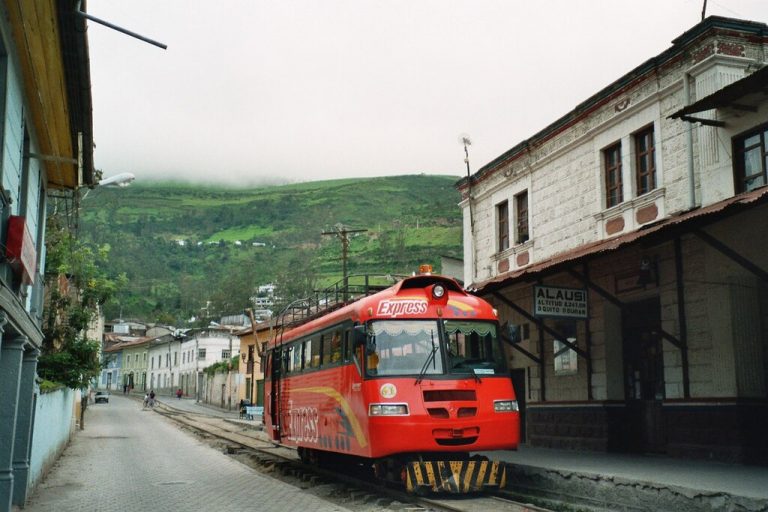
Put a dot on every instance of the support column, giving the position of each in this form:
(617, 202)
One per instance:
(11, 356)
(24, 422)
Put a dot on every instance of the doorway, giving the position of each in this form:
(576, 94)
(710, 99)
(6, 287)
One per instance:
(518, 383)
(644, 376)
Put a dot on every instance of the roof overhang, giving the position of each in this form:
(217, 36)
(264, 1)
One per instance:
(658, 232)
(744, 95)
(52, 47)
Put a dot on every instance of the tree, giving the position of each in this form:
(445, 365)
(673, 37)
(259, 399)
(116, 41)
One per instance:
(297, 280)
(77, 287)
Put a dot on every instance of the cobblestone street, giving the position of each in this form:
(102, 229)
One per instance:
(133, 459)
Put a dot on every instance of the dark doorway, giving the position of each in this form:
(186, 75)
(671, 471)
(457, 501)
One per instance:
(644, 376)
(518, 382)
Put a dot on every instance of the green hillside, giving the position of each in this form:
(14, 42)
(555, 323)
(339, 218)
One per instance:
(200, 251)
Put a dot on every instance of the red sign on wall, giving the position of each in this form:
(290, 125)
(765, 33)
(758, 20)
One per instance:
(20, 249)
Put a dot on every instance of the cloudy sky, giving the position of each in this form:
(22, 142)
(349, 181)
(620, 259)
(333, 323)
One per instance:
(281, 90)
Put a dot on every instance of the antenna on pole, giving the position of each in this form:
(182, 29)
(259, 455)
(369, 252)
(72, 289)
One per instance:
(466, 141)
(704, 10)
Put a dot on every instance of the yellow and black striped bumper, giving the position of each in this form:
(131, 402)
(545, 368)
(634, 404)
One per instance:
(455, 477)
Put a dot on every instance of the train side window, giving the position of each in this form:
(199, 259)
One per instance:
(335, 346)
(297, 359)
(314, 353)
(325, 353)
(289, 359)
(307, 353)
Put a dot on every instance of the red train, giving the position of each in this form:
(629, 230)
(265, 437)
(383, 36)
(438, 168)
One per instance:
(411, 380)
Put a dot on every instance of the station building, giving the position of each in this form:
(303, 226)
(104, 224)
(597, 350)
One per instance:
(624, 246)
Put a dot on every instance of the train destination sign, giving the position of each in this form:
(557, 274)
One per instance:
(560, 302)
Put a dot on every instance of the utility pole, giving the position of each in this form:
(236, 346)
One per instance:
(341, 231)
(466, 141)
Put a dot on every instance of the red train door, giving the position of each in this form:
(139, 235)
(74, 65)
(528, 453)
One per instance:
(275, 367)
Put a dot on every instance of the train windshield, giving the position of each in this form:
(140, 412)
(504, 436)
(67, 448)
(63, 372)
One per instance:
(403, 347)
(473, 347)
(433, 347)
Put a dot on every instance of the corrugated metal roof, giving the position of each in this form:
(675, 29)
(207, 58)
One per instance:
(662, 228)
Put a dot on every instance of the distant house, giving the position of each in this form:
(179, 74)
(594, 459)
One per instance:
(251, 341)
(164, 363)
(199, 349)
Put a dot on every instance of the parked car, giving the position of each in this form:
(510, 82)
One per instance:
(101, 396)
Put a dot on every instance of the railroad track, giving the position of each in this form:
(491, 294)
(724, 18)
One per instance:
(251, 447)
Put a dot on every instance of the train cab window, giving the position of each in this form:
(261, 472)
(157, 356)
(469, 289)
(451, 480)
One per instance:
(403, 347)
(473, 347)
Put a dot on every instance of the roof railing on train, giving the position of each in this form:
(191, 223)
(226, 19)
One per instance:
(341, 293)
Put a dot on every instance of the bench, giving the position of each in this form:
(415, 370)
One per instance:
(253, 411)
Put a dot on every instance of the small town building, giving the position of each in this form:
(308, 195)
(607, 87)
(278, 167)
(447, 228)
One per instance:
(252, 341)
(47, 146)
(164, 364)
(200, 348)
(622, 245)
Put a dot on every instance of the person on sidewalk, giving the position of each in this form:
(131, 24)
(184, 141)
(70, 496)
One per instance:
(179, 393)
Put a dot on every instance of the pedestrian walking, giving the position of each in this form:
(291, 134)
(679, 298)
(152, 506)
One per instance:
(179, 392)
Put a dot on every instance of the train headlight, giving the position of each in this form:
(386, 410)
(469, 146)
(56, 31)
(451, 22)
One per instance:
(388, 410)
(505, 406)
(438, 291)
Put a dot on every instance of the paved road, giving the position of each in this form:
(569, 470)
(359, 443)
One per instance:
(133, 459)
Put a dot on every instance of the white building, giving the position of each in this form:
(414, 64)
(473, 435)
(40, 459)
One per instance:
(622, 245)
(164, 356)
(201, 348)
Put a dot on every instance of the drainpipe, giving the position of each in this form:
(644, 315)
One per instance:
(689, 144)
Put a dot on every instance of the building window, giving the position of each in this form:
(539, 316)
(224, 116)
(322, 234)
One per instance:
(750, 153)
(645, 161)
(225, 354)
(612, 162)
(565, 358)
(502, 219)
(521, 217)
(201, 353)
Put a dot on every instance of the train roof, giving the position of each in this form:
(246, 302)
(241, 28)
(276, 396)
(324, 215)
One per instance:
(359, 308)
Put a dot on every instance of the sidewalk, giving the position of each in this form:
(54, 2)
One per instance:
(128, 458)
(610, 481)
(636, 482)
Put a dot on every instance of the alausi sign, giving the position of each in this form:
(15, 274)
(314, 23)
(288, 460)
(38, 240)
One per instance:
(559, 302)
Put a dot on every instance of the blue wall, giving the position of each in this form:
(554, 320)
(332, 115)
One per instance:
(53, 427)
